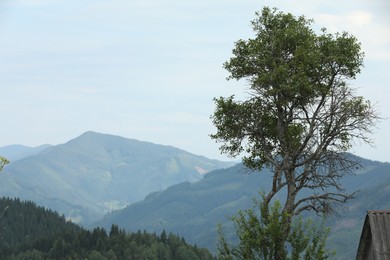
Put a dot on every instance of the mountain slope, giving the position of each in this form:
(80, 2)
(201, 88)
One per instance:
(16, 152)
(194, 209)
(31, 232)
(96, 173)
(22, 222)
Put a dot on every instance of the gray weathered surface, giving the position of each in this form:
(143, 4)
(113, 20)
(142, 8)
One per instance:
(375, 238)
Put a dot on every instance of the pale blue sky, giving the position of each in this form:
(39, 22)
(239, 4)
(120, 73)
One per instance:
(149, 69)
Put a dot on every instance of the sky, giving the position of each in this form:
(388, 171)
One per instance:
(149, 69)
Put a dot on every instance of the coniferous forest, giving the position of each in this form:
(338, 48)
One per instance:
(28, 231)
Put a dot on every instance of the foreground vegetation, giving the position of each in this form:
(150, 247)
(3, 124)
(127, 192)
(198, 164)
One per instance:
(300, 120)
(31, 232)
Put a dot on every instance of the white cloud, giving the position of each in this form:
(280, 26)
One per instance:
(350, 20)
(375, 36)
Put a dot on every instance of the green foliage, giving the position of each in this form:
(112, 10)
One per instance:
(35, 233)
(261, 237)
(295, 75)
(23, 221)
(3, 162)
(299, 121)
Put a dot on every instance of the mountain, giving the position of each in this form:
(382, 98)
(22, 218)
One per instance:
(16, 152)
(96, 173)
(193, 210)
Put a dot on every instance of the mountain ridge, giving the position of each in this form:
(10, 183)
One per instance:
(95, 173)
(193, 210)
(16, 152)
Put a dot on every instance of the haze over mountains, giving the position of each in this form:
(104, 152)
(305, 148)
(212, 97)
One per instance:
(194, 209)
(154, 187)
(96, 173)
(17, 151)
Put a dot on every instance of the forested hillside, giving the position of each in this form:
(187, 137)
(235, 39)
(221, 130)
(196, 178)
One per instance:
(193, 210)
(22, 222)
(31, 232)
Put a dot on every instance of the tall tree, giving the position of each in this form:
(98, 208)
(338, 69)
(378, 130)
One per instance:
(301, 117)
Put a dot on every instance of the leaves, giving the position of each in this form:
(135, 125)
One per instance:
(261, 236)
(302, 112)
(33, 232)
(3, 162)
(300, 120)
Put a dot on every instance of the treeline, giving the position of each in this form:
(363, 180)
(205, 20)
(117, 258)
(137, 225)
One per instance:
(24, 221)
(31, 232)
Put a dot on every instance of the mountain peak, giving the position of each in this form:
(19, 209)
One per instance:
(93, 134)
(99, 173)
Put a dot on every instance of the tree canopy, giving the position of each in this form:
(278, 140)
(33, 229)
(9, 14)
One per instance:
(33, 232)
(302, 116)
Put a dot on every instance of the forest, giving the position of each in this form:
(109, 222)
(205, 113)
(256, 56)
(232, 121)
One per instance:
(28, 231)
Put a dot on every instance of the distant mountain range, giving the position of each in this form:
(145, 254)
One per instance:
(16, 152)
(95, 173)
(145, 186)
(193, 210)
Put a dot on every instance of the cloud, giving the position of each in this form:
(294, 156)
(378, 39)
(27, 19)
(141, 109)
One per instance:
(374, 36)
(345, 21)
